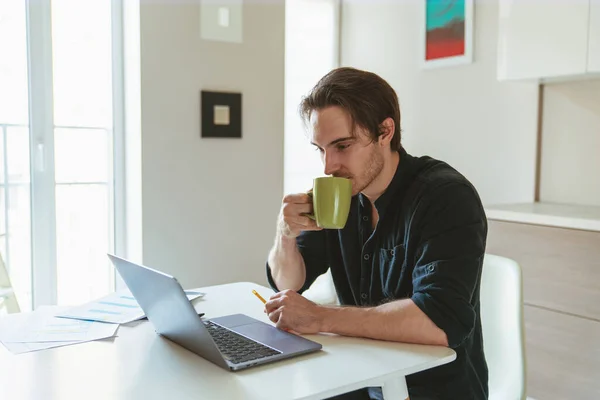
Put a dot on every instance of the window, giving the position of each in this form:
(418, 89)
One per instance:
(59, 74)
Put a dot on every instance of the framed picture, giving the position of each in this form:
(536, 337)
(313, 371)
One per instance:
(447, 34)
(221, 114)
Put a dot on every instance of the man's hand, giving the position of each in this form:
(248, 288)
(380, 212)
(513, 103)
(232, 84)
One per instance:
(291, 311)
(285, 261)
(293, 219)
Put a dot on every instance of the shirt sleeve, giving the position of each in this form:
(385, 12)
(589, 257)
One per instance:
(313, 248)
(452, 237)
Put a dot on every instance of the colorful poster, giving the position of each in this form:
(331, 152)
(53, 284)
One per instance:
(448, 26)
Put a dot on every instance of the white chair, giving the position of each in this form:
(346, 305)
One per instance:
(322, 291)
(503, 328)
(8, 300)
(502, 323)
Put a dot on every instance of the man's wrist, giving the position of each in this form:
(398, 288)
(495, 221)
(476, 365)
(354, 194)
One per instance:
(326, 316)
(336, 319)
(288, 240)
(285, 240)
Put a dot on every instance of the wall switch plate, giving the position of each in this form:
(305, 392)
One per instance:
(221, 20)
(224, 17)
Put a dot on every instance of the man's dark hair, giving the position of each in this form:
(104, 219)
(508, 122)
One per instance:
(366, 97)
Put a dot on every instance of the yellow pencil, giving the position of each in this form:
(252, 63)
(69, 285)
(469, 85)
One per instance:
(259, 296)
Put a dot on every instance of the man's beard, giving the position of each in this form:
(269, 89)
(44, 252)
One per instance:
(372, 169)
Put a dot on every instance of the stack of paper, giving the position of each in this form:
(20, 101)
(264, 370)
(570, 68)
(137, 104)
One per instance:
(42, 329)
(53, 326)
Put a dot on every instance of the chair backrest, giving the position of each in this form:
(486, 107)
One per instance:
(322, 291)
(503, 328)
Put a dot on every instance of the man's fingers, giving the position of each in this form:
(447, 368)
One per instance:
(278, 300)
(278, 319)
(273, 304)
(286, 292)
(274, 316)
(293, 217)
(293, 227)
(297, 198)
(294, 210)
(312, 226)
(280, 324)
(301, 221)
(275, 296)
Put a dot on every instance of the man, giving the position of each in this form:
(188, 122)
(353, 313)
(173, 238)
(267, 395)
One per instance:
(407, 265)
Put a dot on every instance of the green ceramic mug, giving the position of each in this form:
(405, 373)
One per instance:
(331, 201)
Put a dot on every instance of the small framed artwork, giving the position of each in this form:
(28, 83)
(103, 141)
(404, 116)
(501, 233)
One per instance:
(221, 114)
(447, 33)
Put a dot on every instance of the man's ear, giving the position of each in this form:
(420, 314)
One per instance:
(387, 126)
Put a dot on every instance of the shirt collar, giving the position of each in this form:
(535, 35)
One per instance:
(402, 178)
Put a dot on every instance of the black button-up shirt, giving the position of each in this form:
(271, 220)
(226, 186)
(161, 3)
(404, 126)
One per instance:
(428, 245)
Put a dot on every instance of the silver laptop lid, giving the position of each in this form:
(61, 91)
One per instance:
(167, 307)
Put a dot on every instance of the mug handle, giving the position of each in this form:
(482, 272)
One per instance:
(309, 215)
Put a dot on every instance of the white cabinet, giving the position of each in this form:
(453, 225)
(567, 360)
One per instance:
(542, 39)
(594, 42)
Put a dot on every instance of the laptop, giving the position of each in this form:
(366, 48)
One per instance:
(233, 342)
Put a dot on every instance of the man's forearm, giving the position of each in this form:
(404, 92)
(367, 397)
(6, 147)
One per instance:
(399, 321)
(287, 264)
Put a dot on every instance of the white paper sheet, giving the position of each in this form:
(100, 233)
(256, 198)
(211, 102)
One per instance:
(41, 327)
(42, 324)
(18, 348)
(117, 308)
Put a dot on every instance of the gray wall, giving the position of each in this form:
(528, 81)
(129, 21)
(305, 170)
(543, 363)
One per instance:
(210, 206)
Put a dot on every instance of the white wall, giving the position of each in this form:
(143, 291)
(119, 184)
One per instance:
(462, 115)
(210, 205)
(570, 143)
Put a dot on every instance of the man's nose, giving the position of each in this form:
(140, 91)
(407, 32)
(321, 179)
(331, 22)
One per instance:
(331, 163)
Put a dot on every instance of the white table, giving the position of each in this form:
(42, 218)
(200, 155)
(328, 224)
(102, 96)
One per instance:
(139, 364)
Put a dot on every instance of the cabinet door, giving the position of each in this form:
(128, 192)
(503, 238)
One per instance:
(542, 39)
(563, 356)
(561, 267)
(594, 49)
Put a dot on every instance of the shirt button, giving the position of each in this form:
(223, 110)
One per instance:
(430, 268)
(366, 257)
(392, 252)
(363, 296)
(365, 218)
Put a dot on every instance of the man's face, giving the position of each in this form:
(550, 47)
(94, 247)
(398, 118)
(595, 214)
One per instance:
(343, 154)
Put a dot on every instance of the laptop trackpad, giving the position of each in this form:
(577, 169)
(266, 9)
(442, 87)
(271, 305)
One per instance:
(273, 337)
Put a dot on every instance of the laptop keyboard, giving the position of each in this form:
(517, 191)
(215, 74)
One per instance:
(237, 348)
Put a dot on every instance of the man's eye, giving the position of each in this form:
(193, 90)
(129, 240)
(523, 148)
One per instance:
(342, 147)
(320, 150)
